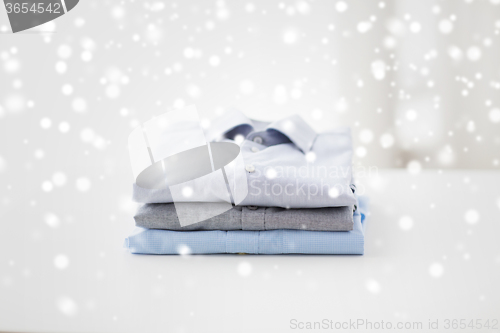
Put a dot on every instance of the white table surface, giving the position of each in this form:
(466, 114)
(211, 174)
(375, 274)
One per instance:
(443, 267)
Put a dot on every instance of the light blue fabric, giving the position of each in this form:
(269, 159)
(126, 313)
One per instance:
(289, 165)
(153, 241)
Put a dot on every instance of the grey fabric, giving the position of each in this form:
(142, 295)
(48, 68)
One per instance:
(164, 216)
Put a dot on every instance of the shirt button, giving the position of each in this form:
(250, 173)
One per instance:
(255, 149)
(257, 139)
(250, 168)
(252, 207)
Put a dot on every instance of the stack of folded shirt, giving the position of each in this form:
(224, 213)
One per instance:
(300, 197)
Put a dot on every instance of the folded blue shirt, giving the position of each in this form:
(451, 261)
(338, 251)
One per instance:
(154, 241)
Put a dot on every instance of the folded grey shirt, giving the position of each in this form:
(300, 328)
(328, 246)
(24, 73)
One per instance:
(164, 216)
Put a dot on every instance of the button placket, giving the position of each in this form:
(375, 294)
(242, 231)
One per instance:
(252, 219)
(258, 140)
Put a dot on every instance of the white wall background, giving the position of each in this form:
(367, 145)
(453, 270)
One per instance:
(417, 80)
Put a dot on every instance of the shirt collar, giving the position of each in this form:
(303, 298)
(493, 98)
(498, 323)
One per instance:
(297, 130)
(293, 127)
(226, 123)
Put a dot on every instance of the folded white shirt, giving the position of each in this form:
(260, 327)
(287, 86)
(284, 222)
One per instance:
(285, 163)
